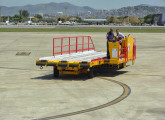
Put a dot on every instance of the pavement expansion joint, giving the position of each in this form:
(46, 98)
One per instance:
(23, 53)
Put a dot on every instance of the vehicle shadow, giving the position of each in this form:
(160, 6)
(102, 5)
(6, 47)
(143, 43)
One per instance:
(106, 72)
(80, 77)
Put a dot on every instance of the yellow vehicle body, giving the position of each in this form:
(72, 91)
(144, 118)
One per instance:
(115, 50)
(119, 56)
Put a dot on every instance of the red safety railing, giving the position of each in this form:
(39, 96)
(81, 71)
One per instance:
(134, 48)
(72, 44)
(122, 51)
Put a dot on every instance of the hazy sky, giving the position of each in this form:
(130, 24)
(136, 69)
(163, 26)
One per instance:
(98, 4)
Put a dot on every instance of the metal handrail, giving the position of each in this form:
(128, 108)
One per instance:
(76, 44)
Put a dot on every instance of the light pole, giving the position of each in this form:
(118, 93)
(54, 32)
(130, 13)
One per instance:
(65, 9)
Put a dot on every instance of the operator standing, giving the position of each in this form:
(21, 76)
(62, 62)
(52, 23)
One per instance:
(109, 36)
(119, 36)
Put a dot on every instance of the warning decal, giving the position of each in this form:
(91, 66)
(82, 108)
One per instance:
(114, 53)
(128, 47)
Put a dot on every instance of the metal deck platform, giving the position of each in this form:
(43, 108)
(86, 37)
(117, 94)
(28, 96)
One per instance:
(86, 56)
(76, 55)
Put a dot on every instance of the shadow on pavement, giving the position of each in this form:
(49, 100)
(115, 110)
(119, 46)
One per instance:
(82, 77)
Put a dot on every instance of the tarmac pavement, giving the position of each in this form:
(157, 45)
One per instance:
(27, 93)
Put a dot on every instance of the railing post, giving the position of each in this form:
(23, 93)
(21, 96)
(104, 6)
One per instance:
(118, 53)
(88, 43)
(92, 42)
(53, 46)
(76, 43)
(82, 48)
(134, 48)
(61, 45)
(83, 44)
(69, 45)
(135, 51)
(125, 53)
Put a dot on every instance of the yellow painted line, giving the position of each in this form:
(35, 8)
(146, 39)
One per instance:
(126, 93)
(2, 88)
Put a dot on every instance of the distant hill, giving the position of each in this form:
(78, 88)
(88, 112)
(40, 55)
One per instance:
(137, 11)
(52, 9)
(49, 8)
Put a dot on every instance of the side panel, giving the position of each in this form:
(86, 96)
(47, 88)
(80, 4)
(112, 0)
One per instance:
(114, 52)
(129, 44)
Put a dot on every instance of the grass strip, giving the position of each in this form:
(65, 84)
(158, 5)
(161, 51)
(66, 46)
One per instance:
(124, 30)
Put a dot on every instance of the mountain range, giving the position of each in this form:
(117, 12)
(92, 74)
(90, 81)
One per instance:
(70, 9)
(137, 11)
(48, 8)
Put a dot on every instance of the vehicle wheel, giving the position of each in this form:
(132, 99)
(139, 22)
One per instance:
(121, 66)
(90, 73)
(56, 72)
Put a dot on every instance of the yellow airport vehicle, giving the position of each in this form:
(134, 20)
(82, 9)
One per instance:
(76, 55)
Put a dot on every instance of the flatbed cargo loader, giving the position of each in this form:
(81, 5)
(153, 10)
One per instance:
(76, 55)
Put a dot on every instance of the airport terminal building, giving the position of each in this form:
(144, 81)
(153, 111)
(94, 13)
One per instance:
(96, 21)
(158, 19)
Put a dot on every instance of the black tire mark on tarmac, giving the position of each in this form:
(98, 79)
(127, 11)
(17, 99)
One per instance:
(125, 94)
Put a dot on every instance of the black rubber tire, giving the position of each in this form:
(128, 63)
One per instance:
(90, 73)
(56, 72)
(121, 66)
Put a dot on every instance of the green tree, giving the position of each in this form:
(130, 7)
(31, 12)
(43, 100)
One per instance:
(113, 20)
(17, 18)
(24, 14)
(1, 20)
(62, 18)
(49, 20)
(35, 20)
(74, 19)
(133, 20)
(141, 20)
(148, 19)
(120, 19)
(39, 17)
(79, 20)
(20, 12)
(125, 20)
(4, 18)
